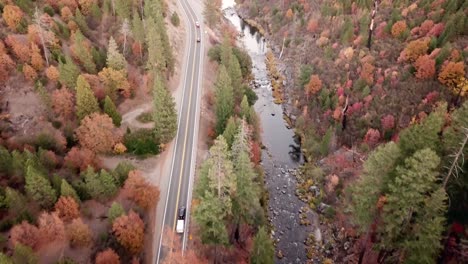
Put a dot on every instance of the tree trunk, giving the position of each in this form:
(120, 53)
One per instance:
(282, 48)
(455, 167)
(345, 110)
(372, 23)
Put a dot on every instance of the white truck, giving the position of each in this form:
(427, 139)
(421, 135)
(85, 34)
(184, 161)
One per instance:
(180, 220)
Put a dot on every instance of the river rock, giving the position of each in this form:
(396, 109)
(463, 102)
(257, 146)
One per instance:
(280, 254)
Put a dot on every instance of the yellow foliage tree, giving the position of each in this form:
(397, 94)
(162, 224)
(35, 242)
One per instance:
(314, 85)
(399, 28)
(12, 16)
(36, 59)
(114, 81)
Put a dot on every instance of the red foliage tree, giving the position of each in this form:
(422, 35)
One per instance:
(63, 103)
(140, 191)
(372, 137)
(12, 16)
(425, 67)
(436, 30)
(129, 231)
(80, 158)
(312, 26)
(107, 256)
(67, 208)
(6, 66)
(388, 122)
(51, 227)
(256, 152)
(19, 47)
(425, 27)
(26, 234)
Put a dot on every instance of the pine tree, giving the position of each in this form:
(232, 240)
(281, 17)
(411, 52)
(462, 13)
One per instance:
(374, 179)
(5, 161)
(5, 259)
(68, 72)
(224, 105)
(67, 190)
(116, 210)
(235, 74)
(155, 60)
(425, 134)
(137, 28)
(413, 214)
(209, 215)
(230, 131)
(39, 188)
(100, 186)
(115, 59)
(123, 8)
(80, 20)
(164, 113)
(15, 201)
(169, 61)
(111, 111)
(24, 255)
(83, 52)
(86, 102)
(245, 109)
(263, 250)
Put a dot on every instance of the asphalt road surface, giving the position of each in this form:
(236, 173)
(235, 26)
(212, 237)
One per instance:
(183, 161)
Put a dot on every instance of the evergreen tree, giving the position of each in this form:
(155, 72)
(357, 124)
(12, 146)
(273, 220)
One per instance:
(123, 8)
(235, 74)
(245, 109)
(212, 12)
(413, 214)
(115, 211)
(209, 215)
(100, 186)
(115, 59)
(80, 20)
(230, 131)
(155, 60)
(83, 53)
(226, 53)
(24, 255)
(137, 28)
(15, 201)
(86, 102)
(224, 105)
(4, 259)
(68, 72)
(423, 135)
(5, 161)
(67, 190)
(39, 188)
(111, 110)
(263, 250)
(169, 61)
(164, 113)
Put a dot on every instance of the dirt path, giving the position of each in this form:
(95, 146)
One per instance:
(129, 119)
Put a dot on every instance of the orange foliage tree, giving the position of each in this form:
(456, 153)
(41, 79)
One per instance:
(6, 66)
(80, 158)
(289, 14)
(67, 208)
(129, 231)
(63, 103)
(85, 6)
(115, 80)
(66, 13)
(19, 47)
(26, 234)
(51, 227)
(452, 74)
(29, 73)
(97, 133)
(174, 252)
(312, 26)
(79, 233)
(416, 48)
(140, 191)
(12, 16)
(36, 59)
(399, 28)
(314, 85)
(52, 74)
(367, 73)
(107, 256)
(425, 67)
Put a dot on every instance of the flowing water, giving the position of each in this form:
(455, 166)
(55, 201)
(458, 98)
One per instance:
(281, 156)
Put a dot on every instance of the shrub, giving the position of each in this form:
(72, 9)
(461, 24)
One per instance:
(142, 142)
(175, 19)
(425, 67)
(399, 28)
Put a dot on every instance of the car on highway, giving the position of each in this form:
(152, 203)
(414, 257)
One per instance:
(197, 24)
(180, 220)
(198, 39)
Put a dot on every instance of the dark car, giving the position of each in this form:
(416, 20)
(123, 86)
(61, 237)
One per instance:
(181, 213)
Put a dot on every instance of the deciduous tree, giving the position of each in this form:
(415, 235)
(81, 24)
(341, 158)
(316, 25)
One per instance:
(29, 73)
(107, 256)
(63, 103)
(80, 158)
(140, 191)
(25, 234)
(97, 133)
(212, 12)
(67, 208)
(82, 51)
(12, 16)
(314, 85)
(36, 59)
(399, 28)
(79, 233)
(425, 67)
(52, 74)
(115, 81)
(129, 231)
(51, 227)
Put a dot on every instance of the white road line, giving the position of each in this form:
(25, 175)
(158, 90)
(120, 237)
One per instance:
(181, 106)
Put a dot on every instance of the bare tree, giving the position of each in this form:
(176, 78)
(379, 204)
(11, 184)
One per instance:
(42, 27)
(458, 159)
(126, 31)
(372, 23)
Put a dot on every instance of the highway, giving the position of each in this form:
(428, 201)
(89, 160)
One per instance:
(185, 147)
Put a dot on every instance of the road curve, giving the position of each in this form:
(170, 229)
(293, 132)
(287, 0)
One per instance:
(183, 162)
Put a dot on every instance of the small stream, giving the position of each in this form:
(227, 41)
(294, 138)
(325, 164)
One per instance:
(282, 154)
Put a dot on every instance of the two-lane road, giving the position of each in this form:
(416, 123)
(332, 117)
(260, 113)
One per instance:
(183, 162)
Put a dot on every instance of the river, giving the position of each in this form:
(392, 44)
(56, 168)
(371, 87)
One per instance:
(281, 156)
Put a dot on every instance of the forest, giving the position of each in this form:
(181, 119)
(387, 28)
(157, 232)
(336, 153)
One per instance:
(68, 68)
(376, 89)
